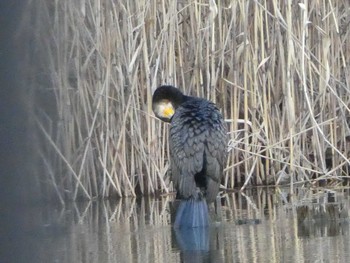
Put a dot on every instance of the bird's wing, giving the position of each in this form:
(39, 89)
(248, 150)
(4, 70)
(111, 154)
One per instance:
(216, 153)
(197, 146)
(186, 149)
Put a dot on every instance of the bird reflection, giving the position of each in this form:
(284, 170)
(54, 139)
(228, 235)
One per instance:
(192, 239)
(199, 244)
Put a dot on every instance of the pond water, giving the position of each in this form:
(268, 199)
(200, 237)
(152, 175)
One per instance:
(260, 225)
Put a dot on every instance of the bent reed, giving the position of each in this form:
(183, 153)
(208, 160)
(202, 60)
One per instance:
(278, 70)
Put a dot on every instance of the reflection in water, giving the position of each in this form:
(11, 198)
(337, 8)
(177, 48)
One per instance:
(193, 243)
(326, 215)
(193, 239)
(260, 226)
(202, 244)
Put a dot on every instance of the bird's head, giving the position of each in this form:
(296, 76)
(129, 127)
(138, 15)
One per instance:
(165, 101)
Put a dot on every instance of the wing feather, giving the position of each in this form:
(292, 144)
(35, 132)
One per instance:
(197, 141)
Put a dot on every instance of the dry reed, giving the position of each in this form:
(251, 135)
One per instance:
(278, 70)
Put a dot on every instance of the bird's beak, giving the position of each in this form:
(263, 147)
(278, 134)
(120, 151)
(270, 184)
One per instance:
(168, 112)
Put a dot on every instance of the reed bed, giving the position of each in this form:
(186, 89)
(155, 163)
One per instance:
(279, 70)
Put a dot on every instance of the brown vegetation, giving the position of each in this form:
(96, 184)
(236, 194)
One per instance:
(279, 72)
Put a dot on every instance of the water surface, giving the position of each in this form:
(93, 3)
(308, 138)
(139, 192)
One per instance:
(261, 225)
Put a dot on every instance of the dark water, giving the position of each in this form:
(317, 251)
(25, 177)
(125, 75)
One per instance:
(258, 226)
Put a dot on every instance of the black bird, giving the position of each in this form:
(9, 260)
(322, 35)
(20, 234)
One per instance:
(198, 141)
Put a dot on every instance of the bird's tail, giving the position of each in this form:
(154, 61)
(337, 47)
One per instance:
(192, 213)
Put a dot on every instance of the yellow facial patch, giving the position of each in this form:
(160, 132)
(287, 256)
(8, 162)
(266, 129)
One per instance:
(168, 111)
(164, 109)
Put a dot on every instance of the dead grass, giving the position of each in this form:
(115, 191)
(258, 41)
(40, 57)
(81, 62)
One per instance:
(279, 71)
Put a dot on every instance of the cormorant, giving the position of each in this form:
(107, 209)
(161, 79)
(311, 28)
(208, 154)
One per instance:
(197, 141)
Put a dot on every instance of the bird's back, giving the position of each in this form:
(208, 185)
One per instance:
(198, 140)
